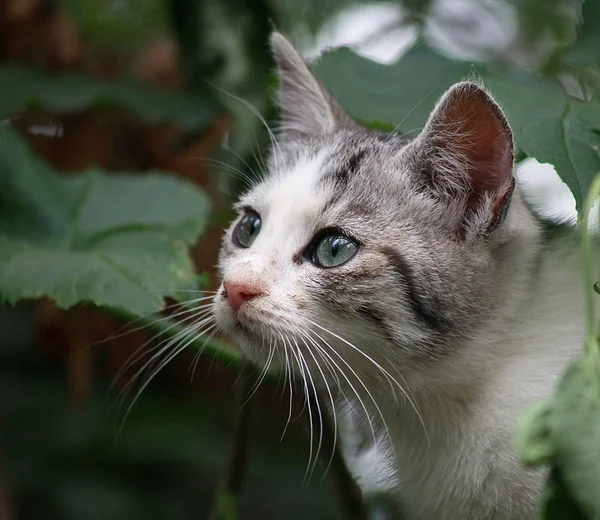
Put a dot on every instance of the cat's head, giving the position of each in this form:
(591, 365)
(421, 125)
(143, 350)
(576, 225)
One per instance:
(363, 250)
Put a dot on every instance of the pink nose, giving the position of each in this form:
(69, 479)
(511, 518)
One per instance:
(238, 293)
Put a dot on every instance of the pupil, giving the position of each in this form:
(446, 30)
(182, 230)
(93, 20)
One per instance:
(335, 246)
(251, 225)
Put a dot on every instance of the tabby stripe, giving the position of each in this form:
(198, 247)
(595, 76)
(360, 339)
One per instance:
(427, 315)
(342, 175)
(375, 317)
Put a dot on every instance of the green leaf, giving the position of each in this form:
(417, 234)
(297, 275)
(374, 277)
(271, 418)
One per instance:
(118, 23)
(557, 502)
(547, 124)
(22, 89)
(534, 437)
(114, 240)
(546, 20)
(575, 424)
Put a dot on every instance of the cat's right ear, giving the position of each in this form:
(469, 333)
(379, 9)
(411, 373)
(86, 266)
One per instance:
(465, 154)
(306, 108)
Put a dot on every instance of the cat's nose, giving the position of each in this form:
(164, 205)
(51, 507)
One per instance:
(238, 293)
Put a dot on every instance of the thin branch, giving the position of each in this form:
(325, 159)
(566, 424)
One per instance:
(229, 494)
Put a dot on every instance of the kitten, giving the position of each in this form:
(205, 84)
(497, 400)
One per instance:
(411, 283)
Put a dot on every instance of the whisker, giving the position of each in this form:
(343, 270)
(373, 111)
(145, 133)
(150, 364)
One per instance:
(310, 415)
(242, 175)
(134, 358)
(388, 376)
(260, 176)
(367, 415)
(411, 111)
(263, 374)
(180, 348)
(117, 334)
(289, 374)
(198, 354)
(309, 470)
(162, 347)
(335, 426)
(254, 110)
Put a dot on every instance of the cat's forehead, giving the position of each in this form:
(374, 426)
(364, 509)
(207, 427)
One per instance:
(322, 175)
(291, 187)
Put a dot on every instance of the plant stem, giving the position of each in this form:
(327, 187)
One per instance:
(588, 270)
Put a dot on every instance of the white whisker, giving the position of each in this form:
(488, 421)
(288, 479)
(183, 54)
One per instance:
(308, 473)
(388, 376)
(263, 374)
(334, 417)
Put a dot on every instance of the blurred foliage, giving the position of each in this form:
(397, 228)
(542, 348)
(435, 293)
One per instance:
(119, 24)
(24, 89)
(159, 85)
(585, 51)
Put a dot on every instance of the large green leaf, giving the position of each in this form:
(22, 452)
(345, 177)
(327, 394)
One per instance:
(118, 240)
(547, 124)
(565, 432)
(22, 89)
(575, 425)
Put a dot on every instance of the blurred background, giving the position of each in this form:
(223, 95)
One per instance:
(108, 84)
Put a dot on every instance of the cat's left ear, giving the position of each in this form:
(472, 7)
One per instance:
(306, 107)
(466, 153)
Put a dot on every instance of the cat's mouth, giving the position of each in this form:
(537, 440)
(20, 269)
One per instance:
(253, 330)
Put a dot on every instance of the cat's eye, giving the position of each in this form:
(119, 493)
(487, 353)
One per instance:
(333, 250)
(247, 229)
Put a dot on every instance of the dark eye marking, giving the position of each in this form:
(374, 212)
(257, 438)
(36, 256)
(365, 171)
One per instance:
(377, 319)
(422, 308)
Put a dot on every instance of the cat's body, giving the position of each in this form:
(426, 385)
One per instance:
(466, 467)
(411, 283)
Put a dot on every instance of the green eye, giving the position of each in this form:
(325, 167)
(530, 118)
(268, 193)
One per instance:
(247, 229)
(333, 251)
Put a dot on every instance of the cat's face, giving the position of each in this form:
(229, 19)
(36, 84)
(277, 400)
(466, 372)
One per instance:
(361, 250)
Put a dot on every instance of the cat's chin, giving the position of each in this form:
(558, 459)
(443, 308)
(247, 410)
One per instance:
(253, 339)
(254, 346)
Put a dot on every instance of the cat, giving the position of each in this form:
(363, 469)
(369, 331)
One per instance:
(409, 281)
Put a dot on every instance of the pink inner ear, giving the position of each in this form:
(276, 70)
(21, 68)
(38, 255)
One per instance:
(473, 128)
